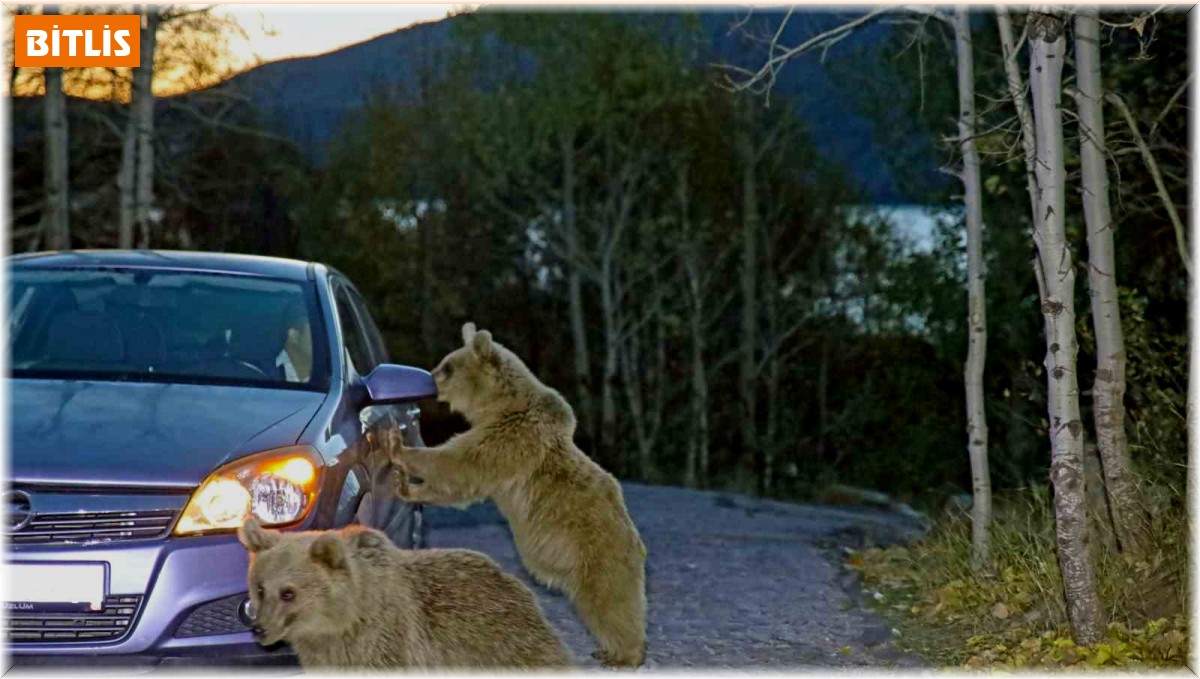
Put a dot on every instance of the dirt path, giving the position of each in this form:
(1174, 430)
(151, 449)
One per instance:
(733, 582)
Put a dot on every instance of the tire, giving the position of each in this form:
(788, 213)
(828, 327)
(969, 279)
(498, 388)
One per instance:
(406, 526)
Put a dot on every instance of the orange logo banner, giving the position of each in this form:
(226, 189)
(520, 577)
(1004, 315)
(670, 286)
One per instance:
(77, 40)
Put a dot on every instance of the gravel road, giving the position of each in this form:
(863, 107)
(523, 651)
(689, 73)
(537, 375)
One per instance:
(733, 582)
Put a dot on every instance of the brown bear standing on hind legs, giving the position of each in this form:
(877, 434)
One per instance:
(567, 515)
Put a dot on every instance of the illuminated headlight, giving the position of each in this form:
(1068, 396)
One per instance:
(277, 488)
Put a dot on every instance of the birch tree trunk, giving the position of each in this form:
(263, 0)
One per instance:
(769, 441)
(1108, 390)
(13, 71)
(143, 103)
(643, 378)
(608, 403)
(1016, 92)
(977, 432)
(823, 400)
(631, 380)
(626, 167)
(583, 377)
(747, 368)
(696, 468)
(127, 184)
(659, 391)
(57, 221)
(1047, 52)
(425, 244)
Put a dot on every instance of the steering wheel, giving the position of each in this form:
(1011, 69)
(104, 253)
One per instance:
(251, 366)
(227, 366)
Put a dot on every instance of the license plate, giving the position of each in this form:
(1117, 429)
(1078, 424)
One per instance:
(58, 586)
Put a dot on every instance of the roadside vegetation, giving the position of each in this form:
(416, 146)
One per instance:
(1014, 616)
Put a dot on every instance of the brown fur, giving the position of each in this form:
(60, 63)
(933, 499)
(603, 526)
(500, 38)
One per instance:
(567, 515)
(359, 601)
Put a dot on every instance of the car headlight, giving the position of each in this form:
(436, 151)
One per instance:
(277, 488)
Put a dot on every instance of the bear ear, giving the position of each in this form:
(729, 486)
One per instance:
(255, 538)
(481, 343)
(468, 332)
(329, 551)
(367, 539)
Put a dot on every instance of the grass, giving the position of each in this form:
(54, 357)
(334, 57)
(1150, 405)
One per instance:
(1015, 616)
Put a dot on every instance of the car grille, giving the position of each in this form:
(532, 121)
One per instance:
(109, 624)
(92, 527)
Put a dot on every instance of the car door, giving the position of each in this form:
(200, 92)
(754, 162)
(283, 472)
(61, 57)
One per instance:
(365, 349)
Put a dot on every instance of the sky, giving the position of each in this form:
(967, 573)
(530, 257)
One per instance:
(280, 31)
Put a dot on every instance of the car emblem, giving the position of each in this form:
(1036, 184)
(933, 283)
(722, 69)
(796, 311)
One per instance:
(19, 509)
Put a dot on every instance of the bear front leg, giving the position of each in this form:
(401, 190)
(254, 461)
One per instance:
(421, 493)
(439, 469)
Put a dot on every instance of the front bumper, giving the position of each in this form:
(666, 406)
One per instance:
(174, 577)
(226, 655)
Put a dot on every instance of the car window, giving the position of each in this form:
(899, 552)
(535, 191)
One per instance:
(352, 333)
(374, 337)
(165, 326)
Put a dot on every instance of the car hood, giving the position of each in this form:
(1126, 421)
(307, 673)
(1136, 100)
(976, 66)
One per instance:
(79, 432)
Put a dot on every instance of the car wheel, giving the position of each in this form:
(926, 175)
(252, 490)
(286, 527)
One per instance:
(406, 527)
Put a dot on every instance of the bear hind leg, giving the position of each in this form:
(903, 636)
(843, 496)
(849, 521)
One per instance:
(616, 619)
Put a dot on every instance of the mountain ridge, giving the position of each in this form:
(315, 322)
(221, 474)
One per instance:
(308, 98)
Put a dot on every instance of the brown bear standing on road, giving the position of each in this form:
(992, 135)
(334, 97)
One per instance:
(351, 599)
(567, 515)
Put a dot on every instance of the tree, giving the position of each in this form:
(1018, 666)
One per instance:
(747, 158)
(57, 215)
(567, 48)
(977, 431)
(767, 147)
(1108, 390)
(1047, 50)
(191, 53)
(702, 243)
(697, 281)
(1016, 93)
(135, 179)
(10, 43)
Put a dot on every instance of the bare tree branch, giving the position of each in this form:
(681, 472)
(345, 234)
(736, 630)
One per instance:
(778, 56)
(1152, 165)
(1170, 103)
(177, 103)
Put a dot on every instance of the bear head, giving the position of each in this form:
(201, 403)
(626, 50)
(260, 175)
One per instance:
(482, 374)
(300, 583)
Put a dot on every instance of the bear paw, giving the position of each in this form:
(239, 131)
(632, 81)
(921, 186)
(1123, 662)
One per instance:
(406, 487)
(616, 660)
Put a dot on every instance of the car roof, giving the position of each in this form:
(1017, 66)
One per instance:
(212, 262)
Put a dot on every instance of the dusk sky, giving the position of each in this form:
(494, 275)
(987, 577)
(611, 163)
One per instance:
(281, 31)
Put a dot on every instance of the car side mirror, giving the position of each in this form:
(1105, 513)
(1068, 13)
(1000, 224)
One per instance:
(390, 383)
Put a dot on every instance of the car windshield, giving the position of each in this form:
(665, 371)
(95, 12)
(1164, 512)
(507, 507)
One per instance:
(165, 326)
